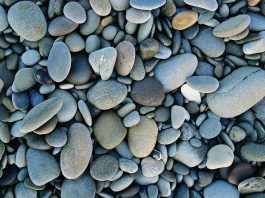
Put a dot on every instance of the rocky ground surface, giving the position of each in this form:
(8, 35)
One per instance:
(132, 99)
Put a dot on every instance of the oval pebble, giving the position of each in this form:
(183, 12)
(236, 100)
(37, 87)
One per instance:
(4, 21)
(210, 5)
(107, 94)
(210, 128)
(101, 7)
(75, 155)
(203, 84)
(40, 114)
(61, 26)
(27, 20)
(119, 5)
(131, 119)
(75, 12)
(252, 185)
(30, 57)
(152, 167)
(128, 166)
(184, 19)
(22, 191)
(178, 115)
(142, 137)
(147, 5)
(59, 61)
(57, 138)
(168, 136)
(253, 152)
(109, 130)
(121, 183)
(104, 167)
(24, 79)
(84, 110)
(227, 101)
(137, 16)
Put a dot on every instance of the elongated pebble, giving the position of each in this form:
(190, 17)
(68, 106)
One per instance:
(177, 116)
(84, 110)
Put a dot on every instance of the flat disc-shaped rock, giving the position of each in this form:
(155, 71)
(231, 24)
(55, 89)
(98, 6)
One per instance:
(104, 167)
(146, 4)
(238, 92)
(27, 20)
(232, 26)
(173, 72)
(42, 167)
(148, 91)
(83, 187)
(109, 130)
(59, 61)
(125, 58)
(103, 61)
(40, 114)
(142, 137)
(76, 154)
(107, 94)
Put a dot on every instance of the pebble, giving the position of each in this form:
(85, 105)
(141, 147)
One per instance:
(59, 61)
(27, 20)
(119, 5)
(30, 57)
(103, 61)
(237, 134)
(137, 16)
(75, 12)
(219, 156)
(152, 167)
(142, 137)
(240, 172)
(256, 46)
(164, 187)
(42, 167)
(210, 5)
(109, 32)
(147, 5)
(203, 84)
(168, 136)
(111, 94)
(131, 119)
(232, 26)
(4, 22)
(173, 72)
(61, 26)
(256, 22)
(252, 185)
(121, 184)
(109, 130)
(22, 191)
(75, 155)
(92, 43)
(190, 93)
(57, 138)
(101, 7)
(4, 132)
(210, 128)
(227, 100)
(189, 155)
(253, 152)
(148, 92)
(20, 100)
(148, 48)
(75, 42)
(125, 58)
(178, 114)
(138, 71)
(128, 166)
(40, 114)
(214, 47)
(84, 110)
(69, 107)
(91, 24)
(184, 19)
(104, 167)
(219, 189)
(24, 79)
(124, 151)
(81, 187)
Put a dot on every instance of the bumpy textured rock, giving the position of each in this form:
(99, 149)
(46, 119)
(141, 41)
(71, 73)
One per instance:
(142, 137)
(173, 72)
(76, 154)
(238, 92)
(27, 20)
(107, 94)
(109, 130)
(252, 185)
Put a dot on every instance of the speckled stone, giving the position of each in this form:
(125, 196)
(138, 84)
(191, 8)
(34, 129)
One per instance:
(101, 7)
(75, 12)
(152, 167)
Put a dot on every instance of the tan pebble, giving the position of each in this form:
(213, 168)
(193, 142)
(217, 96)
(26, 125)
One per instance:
(184, 19)
(253, 2)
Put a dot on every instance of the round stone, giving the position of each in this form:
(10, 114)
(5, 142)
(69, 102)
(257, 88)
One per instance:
(227, 101)
(61, 26)
(104, 167)
(75, 42)
(237, 134)
(210, 128)
(142, 137)
(81, 187)
(210, 5)
(30, 57)
(42, 167)
(101, 7)
(20, 100)
(40, 114)
(232, 26)
(75, 155)
(184, 19)
(148, 92)
(178, 115)
(128, 166)
(109, 130)
(59, 61)
(220, 189)
(203, 84)
(92, 43)
(3, 17)
(103, 61)
(172, 73)
(152, 167)
(253, 152)
(27, 20)
(131, 119)
(107, 94)
(120, 5)
(122, 183)
(137, 16)
(147, 5)
(168, 136)
(125, 58)
(24, 80)
(148, 48)
(75, 12)
(69, 107)
(57, 138)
